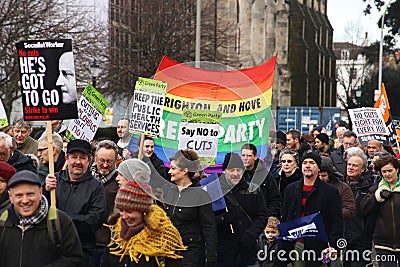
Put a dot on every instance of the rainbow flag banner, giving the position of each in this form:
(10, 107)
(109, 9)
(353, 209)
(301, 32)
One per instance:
(242, 96)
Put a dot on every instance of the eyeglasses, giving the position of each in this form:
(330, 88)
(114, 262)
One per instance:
(286, 161)
(381, 153)
(349, 144)
(108, 161)
(40, 150)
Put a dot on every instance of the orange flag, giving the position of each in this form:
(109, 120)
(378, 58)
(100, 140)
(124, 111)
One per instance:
(383, 104)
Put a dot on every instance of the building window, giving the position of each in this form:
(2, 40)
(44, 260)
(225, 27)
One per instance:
(345, 54)
(353, 73)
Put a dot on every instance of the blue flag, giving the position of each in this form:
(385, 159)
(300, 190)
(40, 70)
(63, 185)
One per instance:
(213, 187)
(310, 226)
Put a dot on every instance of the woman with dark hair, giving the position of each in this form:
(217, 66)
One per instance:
(289, 172)
(383, 199)
(190, 210)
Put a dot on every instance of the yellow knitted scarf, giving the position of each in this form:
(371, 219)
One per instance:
(158, 238)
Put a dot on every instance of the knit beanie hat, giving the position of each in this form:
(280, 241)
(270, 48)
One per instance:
(323, 137)
(6, 171)
(232, 160)
(281, 137)
(133, 196)
(313, 156)
(129, 169)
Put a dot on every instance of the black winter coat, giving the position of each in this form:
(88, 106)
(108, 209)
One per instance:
(360, 228)
(338, 160)
(191, 213)
(323, 198)
(114, 261)
(260, 175)
(240, 224)
(387, 229)
(84, 201)
(20, 161)
(283, 181)
(34, 248)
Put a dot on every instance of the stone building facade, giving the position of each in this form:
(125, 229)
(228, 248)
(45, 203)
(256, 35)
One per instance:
(299, 33)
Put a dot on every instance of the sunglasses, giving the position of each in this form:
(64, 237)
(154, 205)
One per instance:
(286, 161)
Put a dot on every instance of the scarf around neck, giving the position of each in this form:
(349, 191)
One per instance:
(127, 231)
(158, 238)
(37, 217)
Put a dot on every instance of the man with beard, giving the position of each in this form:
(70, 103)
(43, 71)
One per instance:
(81, 196)
(305, 197)
(243, 219)
(103, 169)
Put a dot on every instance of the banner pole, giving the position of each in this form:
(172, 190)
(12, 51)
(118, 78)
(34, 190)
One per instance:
(140, 154)
(49, 131)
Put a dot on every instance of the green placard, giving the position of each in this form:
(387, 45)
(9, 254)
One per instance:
(69, 136)
(201, 116)
(3, 122)
(151, 86)
(95, 98)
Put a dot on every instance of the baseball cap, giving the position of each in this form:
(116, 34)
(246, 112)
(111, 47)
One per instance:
(79, 145)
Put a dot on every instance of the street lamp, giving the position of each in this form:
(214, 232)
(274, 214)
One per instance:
(381, 50)
(94, 71)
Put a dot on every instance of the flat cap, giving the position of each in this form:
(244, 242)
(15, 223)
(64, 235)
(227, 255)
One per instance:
(24, 177)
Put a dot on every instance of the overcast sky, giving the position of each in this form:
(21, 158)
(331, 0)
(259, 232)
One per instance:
(348, 21)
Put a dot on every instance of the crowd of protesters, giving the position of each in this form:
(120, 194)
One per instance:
(117, 207)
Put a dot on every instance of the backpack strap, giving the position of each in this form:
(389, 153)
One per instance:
(54, 227)
(3, 217)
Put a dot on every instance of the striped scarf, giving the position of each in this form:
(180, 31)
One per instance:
(103, 178)
(37, 217)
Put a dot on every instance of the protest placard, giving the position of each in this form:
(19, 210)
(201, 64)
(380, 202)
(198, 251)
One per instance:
(91, 107)
(47, 77)
(3, 116)
(368, 124)
(147, 106)
(199, 131)
(396, 125)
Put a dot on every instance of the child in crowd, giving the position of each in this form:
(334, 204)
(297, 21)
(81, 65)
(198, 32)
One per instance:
(267, 244)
